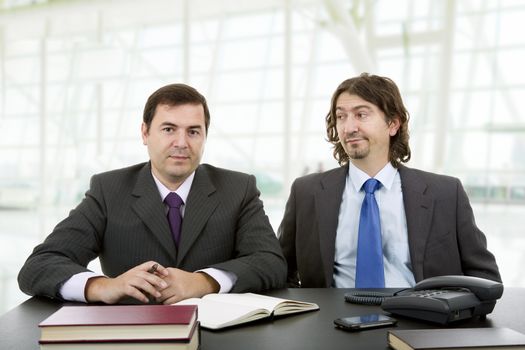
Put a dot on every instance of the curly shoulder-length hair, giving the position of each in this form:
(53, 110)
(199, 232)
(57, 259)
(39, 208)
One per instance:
(383, 93)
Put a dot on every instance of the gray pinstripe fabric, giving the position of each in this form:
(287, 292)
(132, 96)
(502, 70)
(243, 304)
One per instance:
(122, 220)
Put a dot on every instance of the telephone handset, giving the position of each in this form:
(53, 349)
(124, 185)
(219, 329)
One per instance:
(441, 299)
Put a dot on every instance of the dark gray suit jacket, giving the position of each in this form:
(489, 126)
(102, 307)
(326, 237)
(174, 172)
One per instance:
(442, 234)
(122, 220)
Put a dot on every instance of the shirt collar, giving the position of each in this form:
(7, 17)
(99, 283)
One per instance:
(183, 191)
(358, 177)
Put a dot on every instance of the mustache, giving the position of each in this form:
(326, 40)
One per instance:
(353, 135)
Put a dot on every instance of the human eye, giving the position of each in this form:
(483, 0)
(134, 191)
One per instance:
(194, 132)
(362, 115)
(339, 116)
(167, 129)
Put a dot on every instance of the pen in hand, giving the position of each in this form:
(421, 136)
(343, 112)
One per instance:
(153, 268)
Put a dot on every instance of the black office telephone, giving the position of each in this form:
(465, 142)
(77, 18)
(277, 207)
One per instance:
(441, 299)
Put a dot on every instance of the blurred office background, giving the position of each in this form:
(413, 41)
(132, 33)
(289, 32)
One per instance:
(74, 77)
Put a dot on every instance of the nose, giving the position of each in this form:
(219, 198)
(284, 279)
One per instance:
(179, 140)
(351, 125)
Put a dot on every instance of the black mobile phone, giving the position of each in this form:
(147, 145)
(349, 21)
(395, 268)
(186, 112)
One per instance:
(357, 323)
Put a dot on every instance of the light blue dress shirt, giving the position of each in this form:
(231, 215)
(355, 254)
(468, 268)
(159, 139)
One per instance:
(396, 255)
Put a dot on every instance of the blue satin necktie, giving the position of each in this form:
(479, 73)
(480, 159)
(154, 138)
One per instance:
(369, 271)
(174, 217)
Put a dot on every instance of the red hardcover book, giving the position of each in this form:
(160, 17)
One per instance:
(167, 344)
(117, 323)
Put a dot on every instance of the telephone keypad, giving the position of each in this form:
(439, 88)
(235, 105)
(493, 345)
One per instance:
(429, 293)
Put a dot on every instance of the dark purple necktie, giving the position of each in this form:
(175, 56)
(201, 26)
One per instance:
(175, 219)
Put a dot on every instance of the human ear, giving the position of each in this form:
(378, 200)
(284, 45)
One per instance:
(394, 126)
(144, 133)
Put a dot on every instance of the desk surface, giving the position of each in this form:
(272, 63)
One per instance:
(311, 330)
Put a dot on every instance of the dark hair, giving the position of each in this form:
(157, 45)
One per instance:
(174, 95)
(383, 93)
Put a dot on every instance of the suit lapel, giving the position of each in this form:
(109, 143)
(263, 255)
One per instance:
(149, 207)
(418, 210)
(327, 204)
(201, 203)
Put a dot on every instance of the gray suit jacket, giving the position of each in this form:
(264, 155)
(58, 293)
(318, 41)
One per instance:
(442, 234)
(122, 220)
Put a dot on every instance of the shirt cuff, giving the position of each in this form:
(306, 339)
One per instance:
(74, 288)
(225, 279)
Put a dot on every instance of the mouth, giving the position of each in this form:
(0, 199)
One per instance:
(354, 140)
(179, 157)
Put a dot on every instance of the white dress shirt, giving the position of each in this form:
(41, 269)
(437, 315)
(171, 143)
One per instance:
(73, 289)
(394, 236)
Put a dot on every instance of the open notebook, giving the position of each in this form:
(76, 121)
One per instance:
(217, 311)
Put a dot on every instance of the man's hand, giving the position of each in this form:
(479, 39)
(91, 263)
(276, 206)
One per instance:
(183, 285)
(137, 283)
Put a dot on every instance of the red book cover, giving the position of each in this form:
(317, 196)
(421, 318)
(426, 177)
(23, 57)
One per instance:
(119, 322)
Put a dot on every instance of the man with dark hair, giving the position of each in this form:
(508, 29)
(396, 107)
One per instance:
(164, 230)
(373, 222)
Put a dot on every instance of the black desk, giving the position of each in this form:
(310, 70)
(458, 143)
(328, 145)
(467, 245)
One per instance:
(312, 330)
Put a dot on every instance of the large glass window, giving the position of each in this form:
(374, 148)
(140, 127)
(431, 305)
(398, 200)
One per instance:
(73, 83)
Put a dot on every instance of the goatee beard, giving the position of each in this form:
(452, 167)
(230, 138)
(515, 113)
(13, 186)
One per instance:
(358, 153)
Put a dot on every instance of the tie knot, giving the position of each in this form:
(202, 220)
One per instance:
(371, 185)
(173, 200)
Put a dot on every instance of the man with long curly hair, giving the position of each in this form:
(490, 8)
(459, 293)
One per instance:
(424, 221)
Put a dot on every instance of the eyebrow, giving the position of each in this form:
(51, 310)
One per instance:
(340, 108)
(175, 125)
